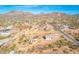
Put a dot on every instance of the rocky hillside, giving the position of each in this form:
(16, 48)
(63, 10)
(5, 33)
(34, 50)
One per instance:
(24, 32)
(59, 18)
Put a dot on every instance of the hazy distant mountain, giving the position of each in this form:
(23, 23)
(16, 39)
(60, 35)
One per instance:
(62, 18)
(18, 13)
(53, 14)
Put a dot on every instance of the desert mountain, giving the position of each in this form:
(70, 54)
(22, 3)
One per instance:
(62, 18)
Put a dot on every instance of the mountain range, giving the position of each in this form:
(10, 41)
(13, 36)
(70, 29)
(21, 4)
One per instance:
(19, 16)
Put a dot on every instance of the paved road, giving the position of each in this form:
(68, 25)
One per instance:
(66, 35)
(69, 37)
(10, 40)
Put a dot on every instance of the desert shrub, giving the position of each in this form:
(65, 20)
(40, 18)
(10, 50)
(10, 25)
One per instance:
(65, 51)
(49, 46)
(62, 42)
(74, 46)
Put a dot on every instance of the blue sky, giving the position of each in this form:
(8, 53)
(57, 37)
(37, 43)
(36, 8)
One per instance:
(70, 9)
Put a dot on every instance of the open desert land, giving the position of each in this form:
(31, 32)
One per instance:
(44, 33)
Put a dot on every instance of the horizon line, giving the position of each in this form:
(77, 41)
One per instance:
(39, 12)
